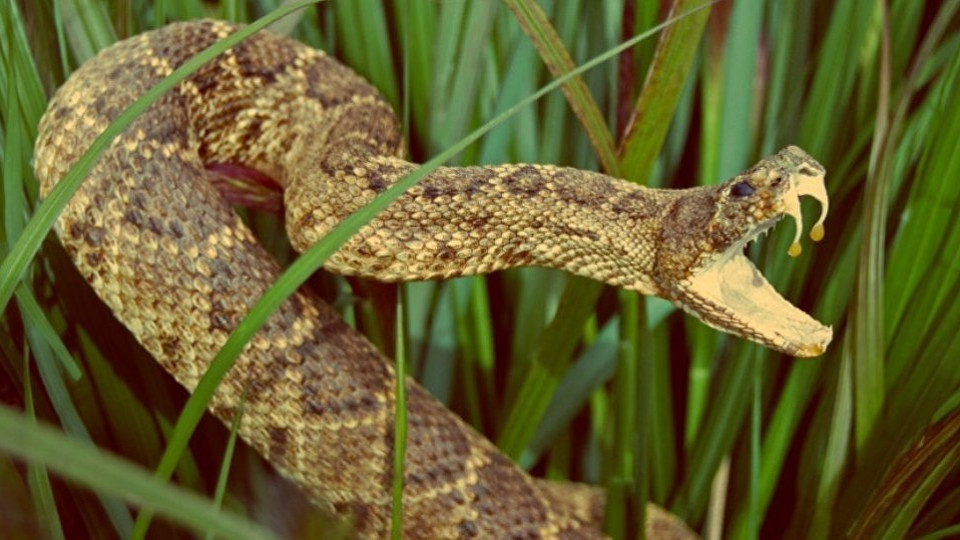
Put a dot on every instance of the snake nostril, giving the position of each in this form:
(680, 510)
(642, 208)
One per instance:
(742, 189)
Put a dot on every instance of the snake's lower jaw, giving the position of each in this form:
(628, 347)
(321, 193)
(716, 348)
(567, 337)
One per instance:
(733, 296)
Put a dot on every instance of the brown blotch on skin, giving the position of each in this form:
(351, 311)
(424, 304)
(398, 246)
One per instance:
(170, 345)
(520, 258)
(478, 222)
(176, 228)
(469, 529)
(93, 236)
(139, 199)
(473, 188)
(518, 509)
(134, 216)
(279, 439)
(267, 75)
(359, 511)
(576, 232)
(636, 206)
(93, 257)
(525, 182)
(333, 84)
(220, 321)
(76, 230)
(445, 253)
(100, 104)
(220, 268)
(155, 225)
(377, 184)
(296, 301)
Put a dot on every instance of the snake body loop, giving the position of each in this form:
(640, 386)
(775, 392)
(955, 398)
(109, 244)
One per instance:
(177, 266)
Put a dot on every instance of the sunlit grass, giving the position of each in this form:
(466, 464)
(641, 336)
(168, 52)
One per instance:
(570, 378)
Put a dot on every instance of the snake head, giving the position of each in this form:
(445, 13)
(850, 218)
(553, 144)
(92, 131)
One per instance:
(702, 256)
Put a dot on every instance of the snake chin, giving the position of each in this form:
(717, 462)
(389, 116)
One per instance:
(751, 307)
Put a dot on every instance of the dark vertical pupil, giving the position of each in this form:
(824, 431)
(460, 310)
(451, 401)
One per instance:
(742, 189)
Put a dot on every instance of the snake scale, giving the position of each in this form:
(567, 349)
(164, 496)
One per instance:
(153, 237)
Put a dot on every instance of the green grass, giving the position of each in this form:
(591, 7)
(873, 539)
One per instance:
(574, 380)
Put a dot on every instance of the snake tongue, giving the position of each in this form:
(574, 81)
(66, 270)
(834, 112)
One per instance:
(750, 307)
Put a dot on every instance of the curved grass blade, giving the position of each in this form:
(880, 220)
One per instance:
(592, 370)
(227, 459)
(453, 121)
(952, 531)
(72, 423)
(546, 369)
(108, 474)
(545, 38)
(837, 446)
(33, 315)
(867, 351)
(39, 479)
(16, 177)
(400, 420)
(910, 481)
(88, 27)
(401, 341)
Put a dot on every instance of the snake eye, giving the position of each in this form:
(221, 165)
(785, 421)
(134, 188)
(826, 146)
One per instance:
(776, 181)
(742, 189)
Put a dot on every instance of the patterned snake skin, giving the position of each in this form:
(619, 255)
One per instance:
(177, 266)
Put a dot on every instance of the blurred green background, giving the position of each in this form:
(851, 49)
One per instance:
(574, 380)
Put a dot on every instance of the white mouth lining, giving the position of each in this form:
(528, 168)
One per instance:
(735, 283)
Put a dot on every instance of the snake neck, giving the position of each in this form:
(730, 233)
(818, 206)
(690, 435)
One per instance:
(467, 220)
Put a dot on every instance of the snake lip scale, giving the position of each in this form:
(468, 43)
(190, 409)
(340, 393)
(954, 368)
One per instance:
(150, 233)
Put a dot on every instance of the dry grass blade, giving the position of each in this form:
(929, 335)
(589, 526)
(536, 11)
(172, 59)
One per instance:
(545, 38)
(910, 481)
(661, 91)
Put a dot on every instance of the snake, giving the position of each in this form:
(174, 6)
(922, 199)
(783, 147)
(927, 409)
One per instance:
(152, 235)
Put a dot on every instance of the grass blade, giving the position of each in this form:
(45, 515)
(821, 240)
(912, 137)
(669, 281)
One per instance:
(109, 475)
(33, 314)
(671, 63)
(910, 481)
(545, 38)
(227, 460)
(39, 480)
(867, 331)
(399, 422)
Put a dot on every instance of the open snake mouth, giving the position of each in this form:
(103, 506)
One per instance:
(744, 301)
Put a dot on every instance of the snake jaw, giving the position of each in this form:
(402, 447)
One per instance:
(732, 295)
(725, 289)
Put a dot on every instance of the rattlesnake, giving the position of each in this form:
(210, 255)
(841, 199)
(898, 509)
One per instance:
(177, 266)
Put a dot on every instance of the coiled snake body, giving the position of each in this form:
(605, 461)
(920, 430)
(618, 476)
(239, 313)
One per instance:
(176, 265)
